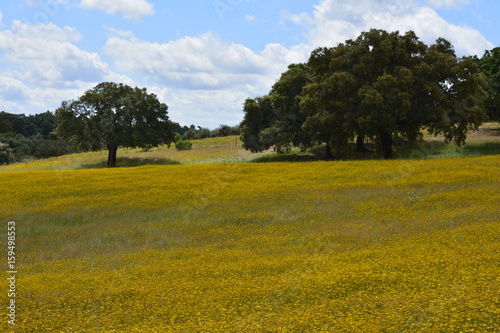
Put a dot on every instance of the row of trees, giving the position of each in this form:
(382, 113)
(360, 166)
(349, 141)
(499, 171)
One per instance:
(30, 136)
(197, 132)
(16, 148)
(383, 86)
(39, 125)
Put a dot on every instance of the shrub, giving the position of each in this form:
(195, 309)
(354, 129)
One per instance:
(21, 148)
(147, 147)
(183, 145)
(5, 153)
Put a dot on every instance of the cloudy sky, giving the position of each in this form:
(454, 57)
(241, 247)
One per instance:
(202, 58)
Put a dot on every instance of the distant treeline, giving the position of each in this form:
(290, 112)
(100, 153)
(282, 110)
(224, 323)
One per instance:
(24, 137)
(40, 125)
(197, 132)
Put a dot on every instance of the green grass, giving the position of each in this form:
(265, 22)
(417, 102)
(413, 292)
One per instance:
(486, 141)
(211, 150)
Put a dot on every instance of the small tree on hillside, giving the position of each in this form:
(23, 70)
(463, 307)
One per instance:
(113, 115)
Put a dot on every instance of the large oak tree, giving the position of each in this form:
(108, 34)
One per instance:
(386, 85)
(113, 115)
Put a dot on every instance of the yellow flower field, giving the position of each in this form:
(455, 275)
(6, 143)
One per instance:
(360, 246)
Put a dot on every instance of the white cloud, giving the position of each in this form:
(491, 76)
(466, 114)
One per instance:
(45, 67)
(16, 97)
(335, 21)
(203, 62)
(38, 3)
(250, 18)
(207, 79)
(203, 79)
(49, 32)
(47, 7)
(129, 9)
(120, 32)
(207, 108)
(300, 19)
(12, 89)
(46, 56)
(447, 3)
(429, 26)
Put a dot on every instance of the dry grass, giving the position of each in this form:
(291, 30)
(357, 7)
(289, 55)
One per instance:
(212, 150)
(488, 132)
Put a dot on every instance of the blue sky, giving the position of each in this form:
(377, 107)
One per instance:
(202, 58)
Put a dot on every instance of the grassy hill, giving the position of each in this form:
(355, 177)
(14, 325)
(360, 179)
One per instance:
(212, 150)
(486, 141)
(345, 246)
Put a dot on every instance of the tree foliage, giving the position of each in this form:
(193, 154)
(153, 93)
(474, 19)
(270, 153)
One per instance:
(113, 115)
(387, 86)
(197, 132)
(41, 124)
(384, 86)
(489, 65)
(183, 145)
(25, 137)
(19, 148)
(275, 120)
(5, 153)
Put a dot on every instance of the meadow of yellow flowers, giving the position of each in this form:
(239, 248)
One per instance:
(359, 246)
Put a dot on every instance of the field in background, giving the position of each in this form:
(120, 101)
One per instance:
(212, 150)
(486, 141)
(358, 246)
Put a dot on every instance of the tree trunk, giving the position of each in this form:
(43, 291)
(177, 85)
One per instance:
(329, 154)
(360, 143)
(112, 156)
(386, 143)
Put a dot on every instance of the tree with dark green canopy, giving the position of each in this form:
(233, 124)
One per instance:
(40, 125)
(259, 114)
(386, 86)
(275, 120)
(489, 65)
(113, 115)
(5, 124)
(331, 103)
